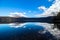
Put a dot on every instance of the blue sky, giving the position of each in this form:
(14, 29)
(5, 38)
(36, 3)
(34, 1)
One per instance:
(30, 7)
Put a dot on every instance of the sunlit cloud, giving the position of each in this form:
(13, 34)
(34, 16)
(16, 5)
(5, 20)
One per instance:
(17, 14)
(50, 0)
(42, 8)
(52, 10)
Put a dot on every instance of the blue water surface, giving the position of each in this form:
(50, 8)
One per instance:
(30, 32)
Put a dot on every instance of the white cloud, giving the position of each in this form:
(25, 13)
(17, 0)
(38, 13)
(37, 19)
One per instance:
(17, 14)
(42, 8)
(52, 10)
(49, 0)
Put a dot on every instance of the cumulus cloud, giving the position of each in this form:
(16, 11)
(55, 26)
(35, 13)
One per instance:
(49, 0)
(17, 14)
(52, 10)
(42, 8)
